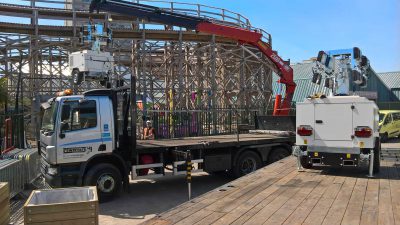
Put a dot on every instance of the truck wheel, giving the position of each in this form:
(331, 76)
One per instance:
(304, 162)
(377, 156)
(385, 137)
(246, 163)
(77, 76)
(278, 154)
(106, 178)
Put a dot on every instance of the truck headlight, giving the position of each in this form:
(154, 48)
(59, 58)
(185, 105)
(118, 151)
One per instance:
(52, 171)
(51, 152)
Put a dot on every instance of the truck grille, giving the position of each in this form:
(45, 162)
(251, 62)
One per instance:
(43, 151)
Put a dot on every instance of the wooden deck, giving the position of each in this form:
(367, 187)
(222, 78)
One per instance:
(279, 194)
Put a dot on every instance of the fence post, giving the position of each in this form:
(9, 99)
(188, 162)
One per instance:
(189, 173)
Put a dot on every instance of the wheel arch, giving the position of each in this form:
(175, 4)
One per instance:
(113, 159)
(263, 151)
(284, 146)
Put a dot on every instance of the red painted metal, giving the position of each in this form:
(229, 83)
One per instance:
(283, 69)
(8, 133)
(229, 32)
(145, 159)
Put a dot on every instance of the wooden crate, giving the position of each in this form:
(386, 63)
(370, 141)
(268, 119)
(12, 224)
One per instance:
(4, 203)
(78, 205)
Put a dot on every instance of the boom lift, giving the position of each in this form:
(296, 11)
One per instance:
(92, 64)
(339, 130)
(199, 24)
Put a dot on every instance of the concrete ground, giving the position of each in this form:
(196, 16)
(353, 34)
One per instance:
(150, 197)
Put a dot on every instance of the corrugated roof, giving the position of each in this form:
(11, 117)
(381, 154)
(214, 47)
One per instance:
(302, 74)
(391, 79)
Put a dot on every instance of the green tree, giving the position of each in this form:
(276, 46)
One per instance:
(3, 91)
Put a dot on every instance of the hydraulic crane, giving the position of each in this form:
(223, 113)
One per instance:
(343, 70)
(199, 24)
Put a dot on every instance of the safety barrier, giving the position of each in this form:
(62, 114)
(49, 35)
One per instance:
(196, 122)
(19, 168)
(10, 172)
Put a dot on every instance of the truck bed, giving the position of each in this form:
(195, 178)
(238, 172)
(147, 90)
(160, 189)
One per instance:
(216, 141)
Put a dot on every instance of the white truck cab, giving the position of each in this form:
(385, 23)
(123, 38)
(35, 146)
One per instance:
(78, 144)
(84, 130)
(339, 130)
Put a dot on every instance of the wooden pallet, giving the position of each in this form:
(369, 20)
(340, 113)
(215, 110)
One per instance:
(4, 203)
(62, 206)
(279, 194)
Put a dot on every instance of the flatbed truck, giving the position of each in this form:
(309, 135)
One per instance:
(90, 139)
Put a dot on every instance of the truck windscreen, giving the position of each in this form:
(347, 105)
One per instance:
(49, 118)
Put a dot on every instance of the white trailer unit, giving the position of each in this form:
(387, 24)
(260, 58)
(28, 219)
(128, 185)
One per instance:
(338, 131)
(91, 65)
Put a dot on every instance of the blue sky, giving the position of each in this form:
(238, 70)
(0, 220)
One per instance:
(300, 28)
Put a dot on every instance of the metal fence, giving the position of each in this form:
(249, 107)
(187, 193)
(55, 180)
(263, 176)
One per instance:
(19, 168)
(11, 171)
(200, 122)
(12, 132)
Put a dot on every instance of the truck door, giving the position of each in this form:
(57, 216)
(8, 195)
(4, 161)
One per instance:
(80, 133)
(106, 125)
(333, 122)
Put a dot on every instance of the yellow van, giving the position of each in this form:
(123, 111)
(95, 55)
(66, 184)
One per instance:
(389, 124)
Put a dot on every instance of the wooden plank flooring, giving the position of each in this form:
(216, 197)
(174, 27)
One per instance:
(279, 194)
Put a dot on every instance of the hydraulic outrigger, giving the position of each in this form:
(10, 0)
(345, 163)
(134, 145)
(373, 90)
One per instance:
(199, 24)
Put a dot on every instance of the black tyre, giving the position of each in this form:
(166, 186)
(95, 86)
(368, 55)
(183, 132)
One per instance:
(377, 156)
(77, 76)
(107, 178)
(278, 154)
(384, 137)
(304, 162)
(246, 163)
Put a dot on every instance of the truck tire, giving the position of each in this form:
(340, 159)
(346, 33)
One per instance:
(385, 137)
(304, 162)
(246, 163)
(107, 178)
(278, 154)
(377, 156)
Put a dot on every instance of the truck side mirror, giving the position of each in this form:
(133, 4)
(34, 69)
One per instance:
(64, 127)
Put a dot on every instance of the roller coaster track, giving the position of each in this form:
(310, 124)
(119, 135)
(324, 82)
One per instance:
(68, 31)
(54, 13)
